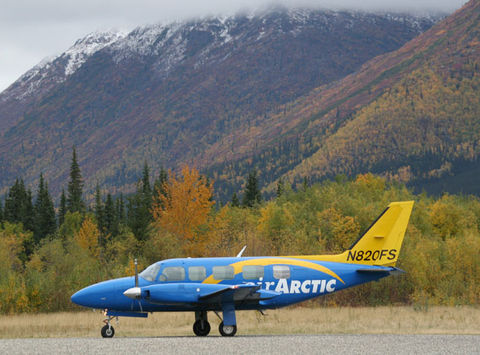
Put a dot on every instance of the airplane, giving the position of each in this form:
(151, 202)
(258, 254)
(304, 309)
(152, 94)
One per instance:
(231, 284)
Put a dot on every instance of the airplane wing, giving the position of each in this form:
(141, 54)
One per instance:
(238, 293)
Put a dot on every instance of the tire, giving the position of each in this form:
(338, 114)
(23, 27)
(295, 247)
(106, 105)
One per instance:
(227, 330)
(201, 328)
(108, 331)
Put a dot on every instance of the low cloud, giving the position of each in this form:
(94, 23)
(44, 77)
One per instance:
(33, 29)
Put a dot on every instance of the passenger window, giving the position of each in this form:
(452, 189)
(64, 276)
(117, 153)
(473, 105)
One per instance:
(223, 272)
(197, 273)
(252, 272)
(281, 272)
(173, 273)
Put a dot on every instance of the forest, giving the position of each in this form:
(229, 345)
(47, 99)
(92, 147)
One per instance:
(49, 253)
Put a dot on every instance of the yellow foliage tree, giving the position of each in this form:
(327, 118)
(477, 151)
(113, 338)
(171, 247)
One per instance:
(185, 206)
(337, 230)
(87, 236)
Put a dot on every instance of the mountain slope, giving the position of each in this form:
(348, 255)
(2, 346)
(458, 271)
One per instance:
(177, 93)
(412, 114)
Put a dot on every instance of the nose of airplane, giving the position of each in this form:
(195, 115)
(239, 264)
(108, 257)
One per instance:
(103, 295)
(95, 296)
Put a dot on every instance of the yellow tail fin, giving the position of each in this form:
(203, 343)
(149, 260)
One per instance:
(381, 243)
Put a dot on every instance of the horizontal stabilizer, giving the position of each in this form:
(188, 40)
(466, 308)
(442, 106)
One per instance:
(389, 271)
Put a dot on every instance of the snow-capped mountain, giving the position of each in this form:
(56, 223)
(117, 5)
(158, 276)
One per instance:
(169, 92)
(53, 70)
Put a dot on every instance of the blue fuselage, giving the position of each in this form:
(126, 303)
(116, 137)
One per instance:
(191, 284)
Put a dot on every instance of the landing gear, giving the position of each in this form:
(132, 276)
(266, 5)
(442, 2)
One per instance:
(227, 330)
(201, 327)
(107, 330)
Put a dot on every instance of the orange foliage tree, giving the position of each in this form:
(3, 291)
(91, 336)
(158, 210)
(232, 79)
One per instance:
(185, 205)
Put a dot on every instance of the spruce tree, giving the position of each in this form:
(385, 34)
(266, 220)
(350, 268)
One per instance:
(280, 187)
(120, 209)
(252, 193)
(28, 212)
(159, 185)
(110, 220)
(99, 210)
(18, 205)
(139, 206)
(14, 202)
(62, 211)
(1, 211)
(75, 186)
(235, 200)
(44, 215)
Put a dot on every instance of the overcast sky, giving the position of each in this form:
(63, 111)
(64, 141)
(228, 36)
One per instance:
(31, 30)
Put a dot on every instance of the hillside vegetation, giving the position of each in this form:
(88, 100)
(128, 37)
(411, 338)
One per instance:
(440, 252)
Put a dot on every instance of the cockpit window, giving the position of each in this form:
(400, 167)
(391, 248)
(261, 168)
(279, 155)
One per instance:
(150, 273)
(173, 273)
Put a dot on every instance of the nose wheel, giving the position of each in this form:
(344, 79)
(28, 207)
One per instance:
(107, 330)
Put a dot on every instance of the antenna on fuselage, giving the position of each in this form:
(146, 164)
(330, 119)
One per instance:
(241, 251)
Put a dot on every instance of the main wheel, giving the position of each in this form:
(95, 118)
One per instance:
(108, 331)
(201, 328)
(227, 330)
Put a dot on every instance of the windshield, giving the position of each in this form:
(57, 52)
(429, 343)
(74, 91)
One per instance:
(150, 273)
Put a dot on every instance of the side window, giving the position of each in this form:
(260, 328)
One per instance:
(252, 272)
(197, 273)
(281, 272)
(173, 273)
(150, 273)
(223, 272)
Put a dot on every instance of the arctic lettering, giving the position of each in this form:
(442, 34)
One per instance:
(302, 287)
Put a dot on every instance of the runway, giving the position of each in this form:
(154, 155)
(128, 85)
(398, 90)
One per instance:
(280, 344)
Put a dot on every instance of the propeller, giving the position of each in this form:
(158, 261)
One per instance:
(136, 272)
(135, 293)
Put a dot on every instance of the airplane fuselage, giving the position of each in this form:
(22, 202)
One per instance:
(181, 283)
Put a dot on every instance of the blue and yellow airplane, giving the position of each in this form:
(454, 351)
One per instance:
(240, 283)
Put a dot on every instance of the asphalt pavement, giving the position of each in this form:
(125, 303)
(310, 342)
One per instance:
(281, 344)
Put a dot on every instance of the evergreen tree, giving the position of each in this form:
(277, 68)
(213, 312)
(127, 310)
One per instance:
(139, 215)
(235, 200)
(14, 202)
(110, 220)
(305, 184)
(99, 210)
(62, 211)
(18, 205)
(44, 216)
(159, 185)
(252, 193)
(75, 186)
(1, 211)
(120, 210)
(280, 187)
(146, 188)
(28, 212)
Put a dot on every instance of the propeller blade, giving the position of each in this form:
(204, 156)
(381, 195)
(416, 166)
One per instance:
(136, 273)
